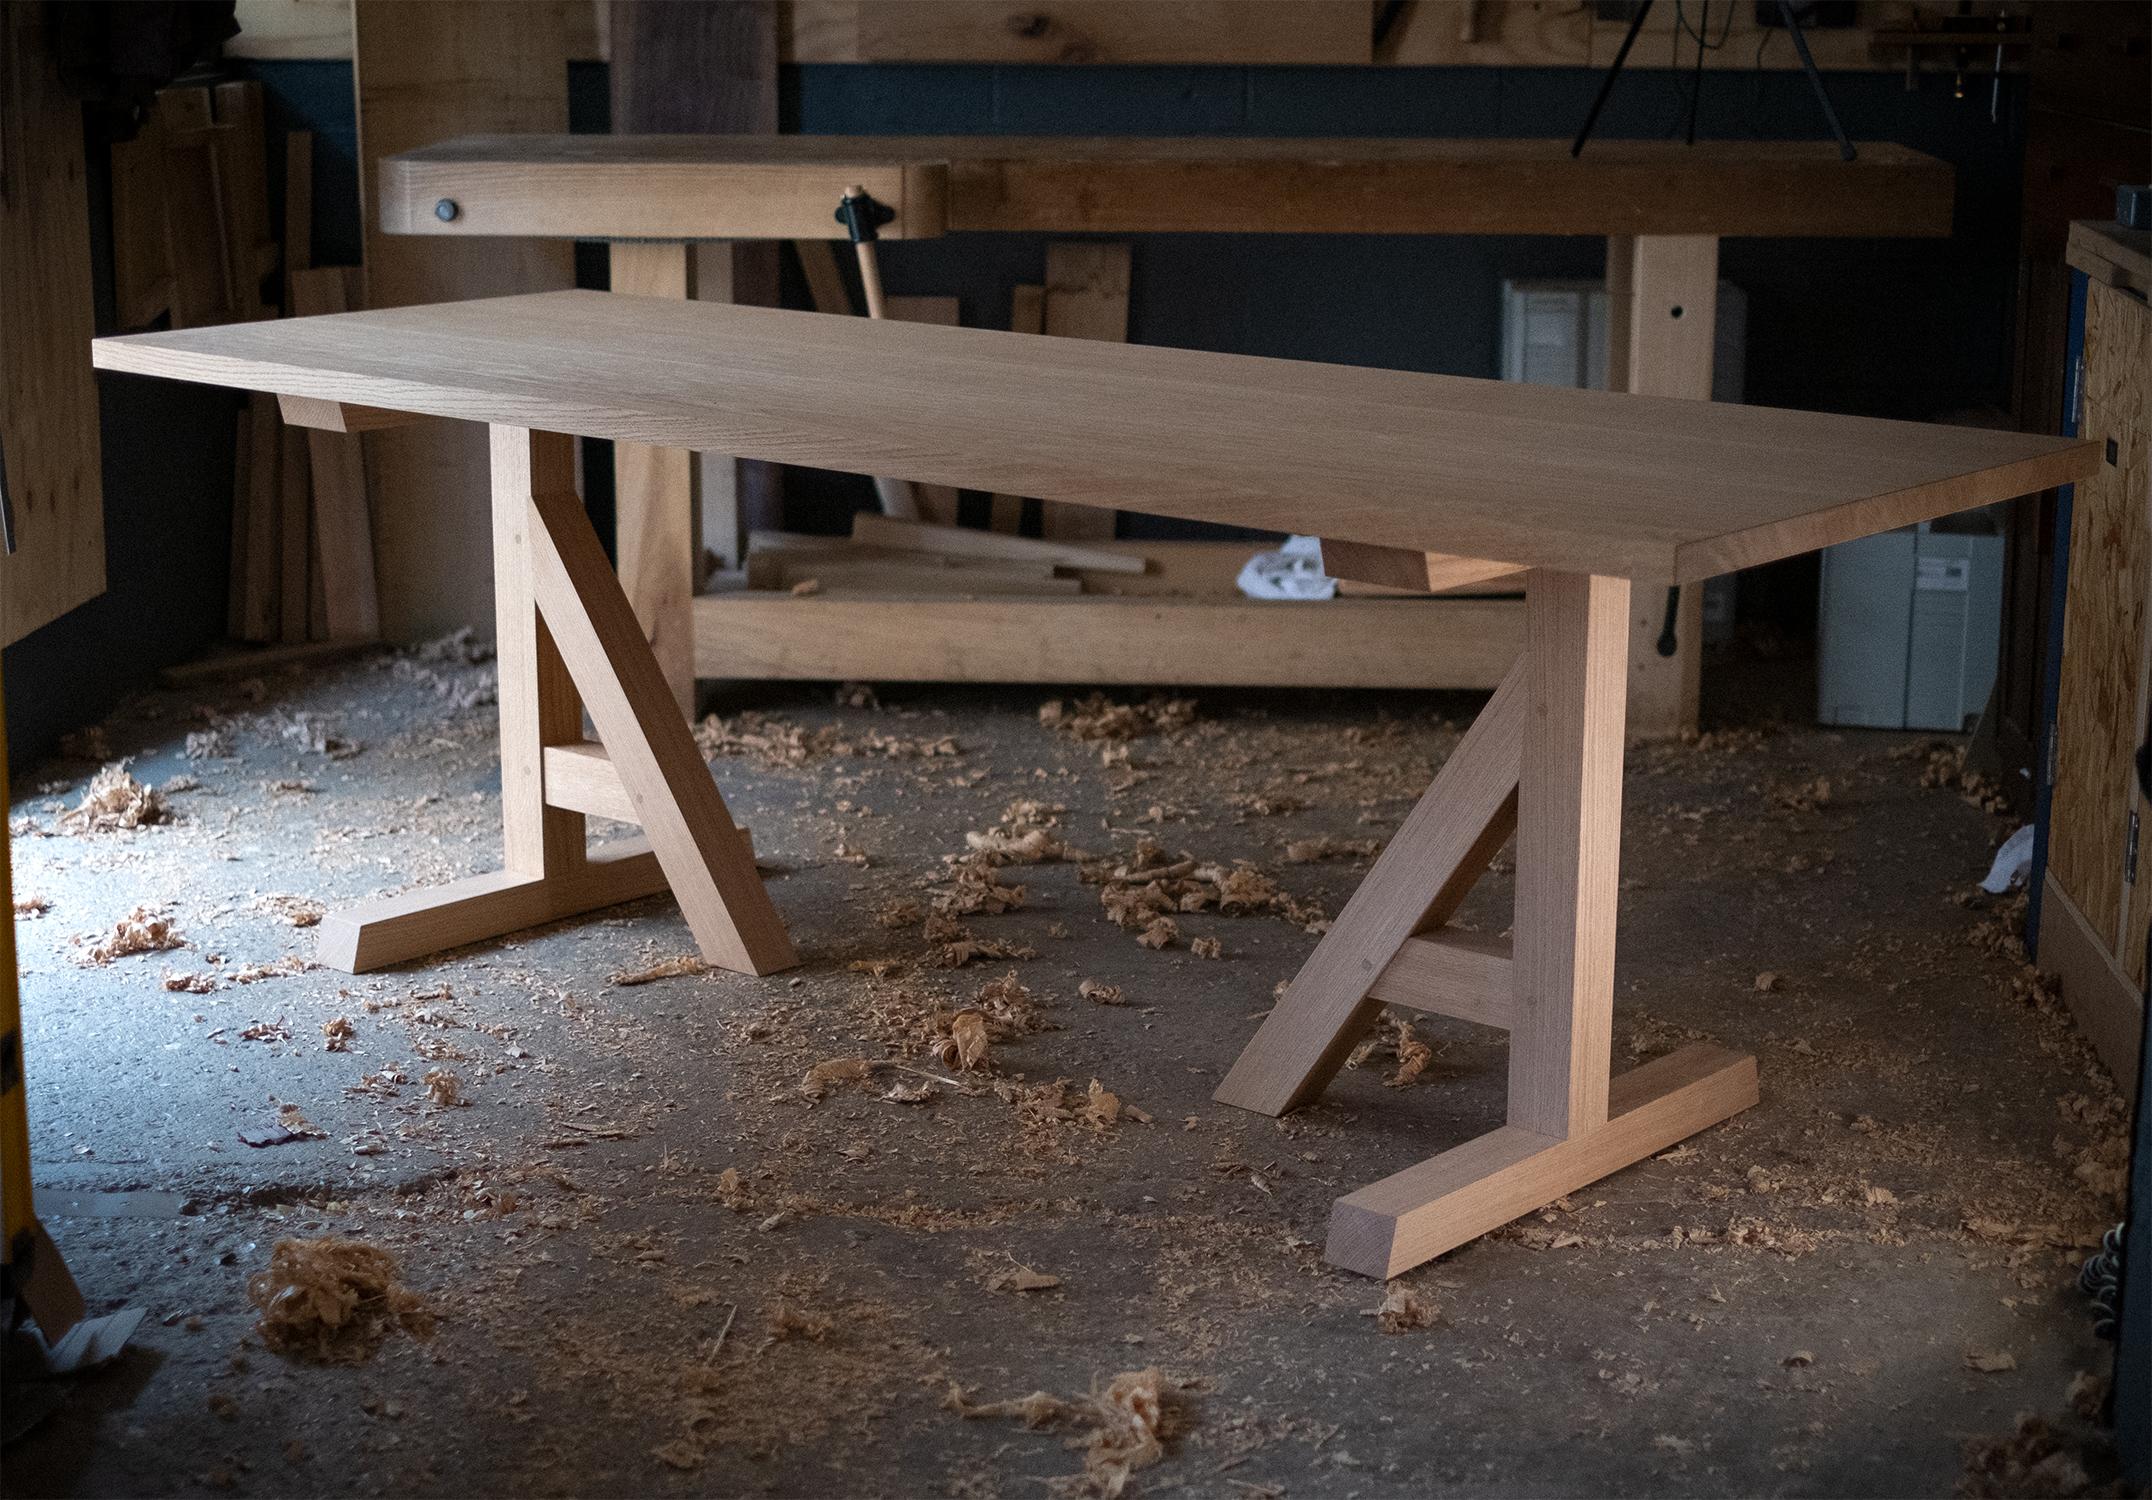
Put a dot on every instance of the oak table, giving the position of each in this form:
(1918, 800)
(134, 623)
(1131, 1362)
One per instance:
(1662, 207)
(1588, 493)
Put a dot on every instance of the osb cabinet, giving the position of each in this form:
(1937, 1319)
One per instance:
(2097, 902)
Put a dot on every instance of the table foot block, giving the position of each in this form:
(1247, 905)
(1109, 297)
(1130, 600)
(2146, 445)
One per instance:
(1413, 1216)
(377, 933)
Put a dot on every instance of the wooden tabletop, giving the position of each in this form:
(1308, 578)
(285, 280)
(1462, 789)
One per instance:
(787, 187)
(1585, 481)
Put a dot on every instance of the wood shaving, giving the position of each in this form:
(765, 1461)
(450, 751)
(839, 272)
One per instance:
(815, 1083)
(1021, 1278)
(116, 802)
(976, 887)
(732, 1191)
(1101, 994)
(31, 906)
(1413, 1055)
(298, 911)
(1403, 1310)
(2033, 1460)
(143, 930)
(775, 742)
(1131, 1423)
(1310, 851)
(1206, 947)
(444, 1088)
(1098, 717)
(670, 968)
(333, 1300)
(966, 1044)
(1101, 1106)
(337, 1033)
(275, 969)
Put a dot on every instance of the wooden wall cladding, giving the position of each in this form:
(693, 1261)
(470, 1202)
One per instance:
(2100, 705)
(48, 392)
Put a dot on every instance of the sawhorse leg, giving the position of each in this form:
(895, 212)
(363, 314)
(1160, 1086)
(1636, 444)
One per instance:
(1544, 760)
(568, 639)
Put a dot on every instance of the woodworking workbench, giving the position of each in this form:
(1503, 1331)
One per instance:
(1662, 208)
(1590, 494)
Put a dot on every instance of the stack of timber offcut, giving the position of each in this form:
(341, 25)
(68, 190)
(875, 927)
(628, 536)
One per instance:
(193, 247)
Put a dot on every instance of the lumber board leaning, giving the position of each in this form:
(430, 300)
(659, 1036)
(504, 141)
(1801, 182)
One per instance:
(1027, 314)
(1086, 298)
(422, 70)
(1652, 489)
(343, 524)
(732, 186)
(936, 502)
(655, 524)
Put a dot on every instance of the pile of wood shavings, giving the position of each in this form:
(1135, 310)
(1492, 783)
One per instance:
(777, 743)
(1144, 893)
(143, 930)
(333, 1300)
(116, 802)
(1100, 718)
(1130, 1424)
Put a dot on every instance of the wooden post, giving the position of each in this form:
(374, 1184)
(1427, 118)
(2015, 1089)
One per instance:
(538, 702)
(1568, 851)
(1663, 297)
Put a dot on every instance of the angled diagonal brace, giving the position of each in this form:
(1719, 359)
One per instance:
(1421, 878)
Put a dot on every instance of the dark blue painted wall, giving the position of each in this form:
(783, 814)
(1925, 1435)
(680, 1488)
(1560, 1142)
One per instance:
(1889, 328)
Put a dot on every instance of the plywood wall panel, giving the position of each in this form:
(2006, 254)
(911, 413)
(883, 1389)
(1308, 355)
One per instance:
(48, 393)
(2099, 705)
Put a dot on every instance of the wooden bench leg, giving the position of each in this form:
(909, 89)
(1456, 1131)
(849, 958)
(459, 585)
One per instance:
(569, 640)
(1544, 760)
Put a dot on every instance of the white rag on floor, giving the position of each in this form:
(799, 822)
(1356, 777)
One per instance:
(2013, 863)
(1294, 571)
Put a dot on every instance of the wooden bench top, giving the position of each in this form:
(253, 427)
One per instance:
(1584, 481)
(787, 186)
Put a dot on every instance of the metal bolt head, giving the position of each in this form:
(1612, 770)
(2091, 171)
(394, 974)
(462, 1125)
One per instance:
(446, 210)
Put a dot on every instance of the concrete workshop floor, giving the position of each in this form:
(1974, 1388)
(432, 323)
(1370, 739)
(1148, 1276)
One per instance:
(1799, 1302)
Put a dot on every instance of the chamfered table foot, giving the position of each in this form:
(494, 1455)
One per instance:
(1415, 1215)
(375, 934)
